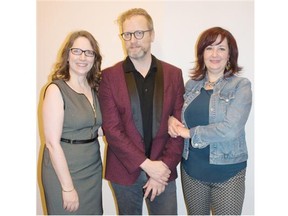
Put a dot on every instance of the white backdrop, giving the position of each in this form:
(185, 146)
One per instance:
(177, 25)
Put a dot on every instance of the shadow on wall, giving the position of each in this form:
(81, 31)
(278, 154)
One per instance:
(42, 146)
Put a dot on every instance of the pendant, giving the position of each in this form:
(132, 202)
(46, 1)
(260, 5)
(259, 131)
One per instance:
(209, 84)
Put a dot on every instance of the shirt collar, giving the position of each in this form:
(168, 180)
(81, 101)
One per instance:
(129, 67)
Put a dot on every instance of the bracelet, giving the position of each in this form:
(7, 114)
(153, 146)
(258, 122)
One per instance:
(68, 190)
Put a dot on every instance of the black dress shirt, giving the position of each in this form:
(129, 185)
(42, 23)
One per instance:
(145, 88)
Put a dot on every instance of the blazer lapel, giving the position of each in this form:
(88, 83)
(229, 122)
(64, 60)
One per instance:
(158, 99)
(134, 100)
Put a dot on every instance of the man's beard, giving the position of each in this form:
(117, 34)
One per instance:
(138, 55)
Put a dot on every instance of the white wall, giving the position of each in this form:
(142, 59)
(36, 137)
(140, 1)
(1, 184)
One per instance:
(177, 26)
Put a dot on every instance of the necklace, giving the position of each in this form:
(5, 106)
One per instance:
(209, 85)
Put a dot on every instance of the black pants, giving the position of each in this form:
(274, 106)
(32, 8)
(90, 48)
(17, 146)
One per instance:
(130, 198)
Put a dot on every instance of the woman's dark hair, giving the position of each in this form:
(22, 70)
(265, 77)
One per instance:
(207, 38)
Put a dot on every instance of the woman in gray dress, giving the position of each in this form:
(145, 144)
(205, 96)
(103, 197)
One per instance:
(72, 165)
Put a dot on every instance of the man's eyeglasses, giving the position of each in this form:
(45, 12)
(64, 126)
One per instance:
(78, 51)
(137, 34)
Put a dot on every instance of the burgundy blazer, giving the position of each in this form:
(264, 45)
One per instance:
(122, 121)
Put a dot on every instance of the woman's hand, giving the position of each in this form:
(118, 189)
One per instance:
(70, 200)
(183, 132)
(173, 126)
(176, 128)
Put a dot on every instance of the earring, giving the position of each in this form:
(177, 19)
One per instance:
(228, 66)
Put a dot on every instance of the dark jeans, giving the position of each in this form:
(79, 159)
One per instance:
(130, 198)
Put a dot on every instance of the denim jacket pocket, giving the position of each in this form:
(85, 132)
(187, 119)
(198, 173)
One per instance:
(225, 100)
(226, 97)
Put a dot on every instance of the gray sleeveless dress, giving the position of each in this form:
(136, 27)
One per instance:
(84, 160)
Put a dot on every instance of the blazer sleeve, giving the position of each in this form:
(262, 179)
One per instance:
(174, 147)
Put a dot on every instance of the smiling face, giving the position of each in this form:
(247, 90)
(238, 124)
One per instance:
(216, 57)
(138, 48)
(80, 63)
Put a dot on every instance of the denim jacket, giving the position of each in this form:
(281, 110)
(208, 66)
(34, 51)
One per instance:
(229, 108)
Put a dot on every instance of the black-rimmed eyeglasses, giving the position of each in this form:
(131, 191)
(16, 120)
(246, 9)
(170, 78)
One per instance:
(137, 34)
(78, 51)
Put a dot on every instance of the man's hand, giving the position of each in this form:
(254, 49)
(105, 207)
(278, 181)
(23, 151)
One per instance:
(157, 170)
(153, 187)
